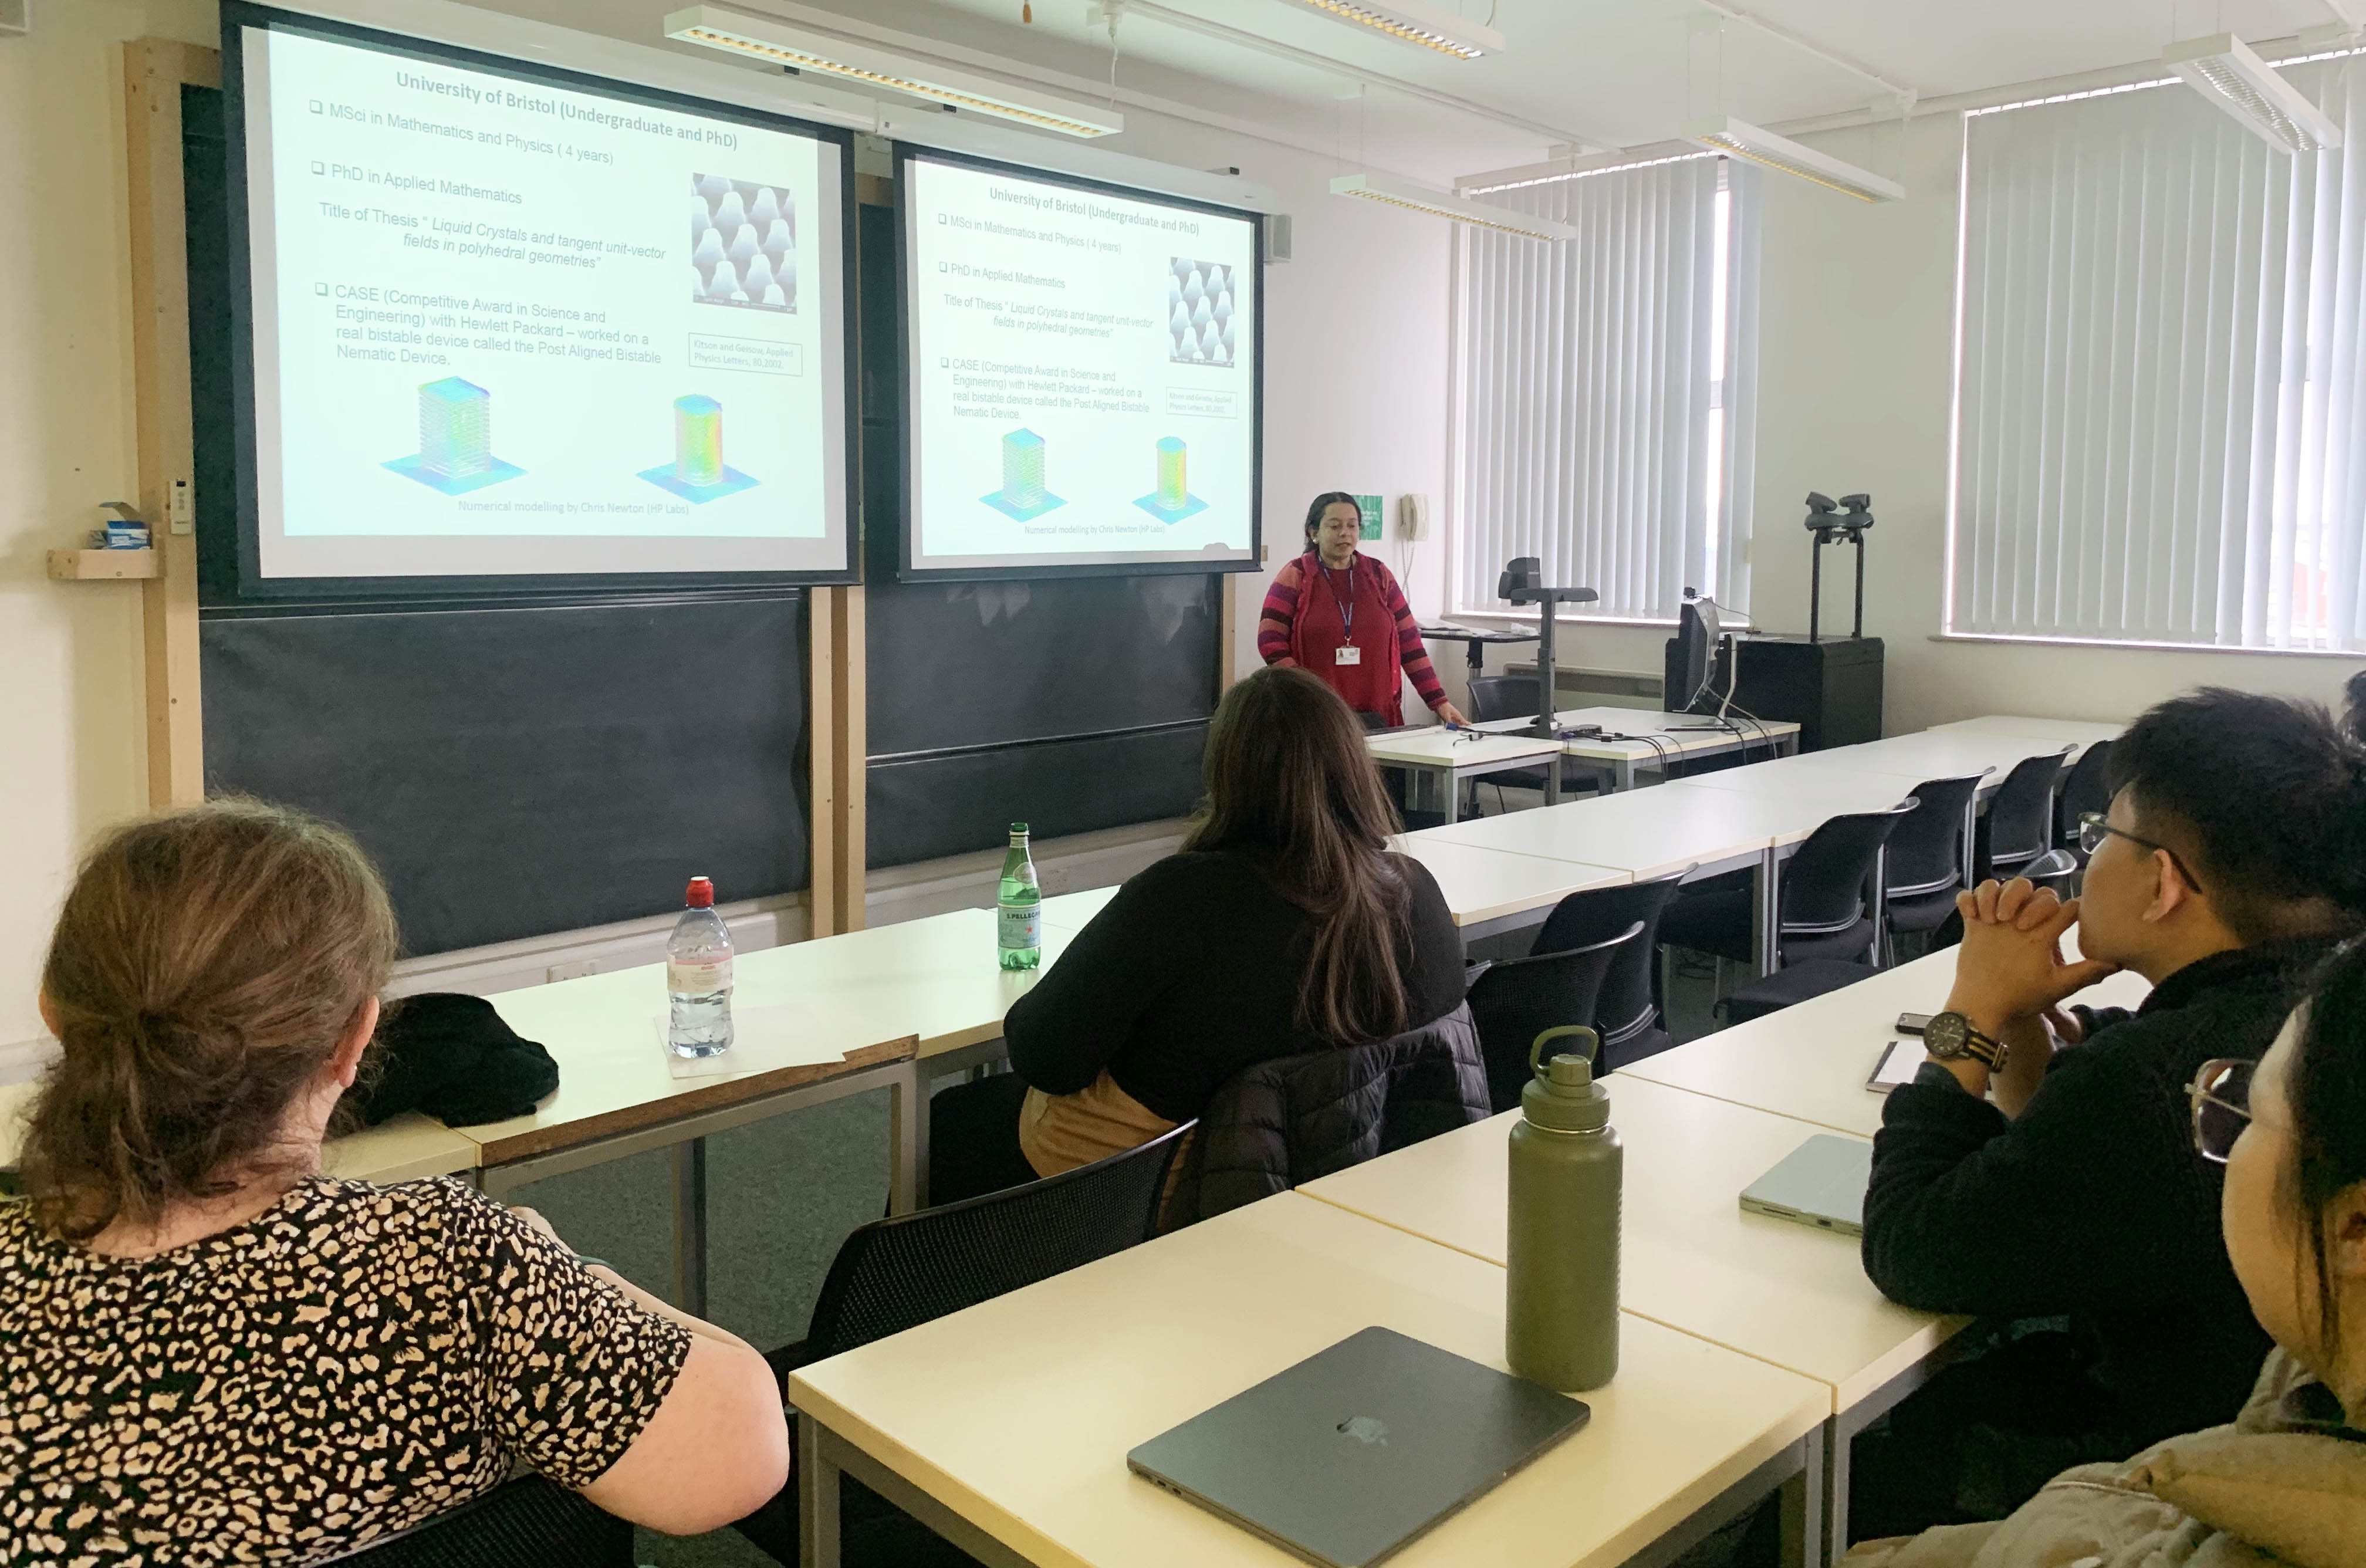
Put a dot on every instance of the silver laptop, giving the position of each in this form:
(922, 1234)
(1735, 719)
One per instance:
(1821, 1183)
(1360, 1449)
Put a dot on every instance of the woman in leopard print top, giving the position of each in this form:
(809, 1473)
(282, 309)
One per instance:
(210, 1352)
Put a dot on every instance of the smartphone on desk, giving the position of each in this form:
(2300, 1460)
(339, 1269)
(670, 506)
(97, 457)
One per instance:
(1913, 1022)
(1900, 1060)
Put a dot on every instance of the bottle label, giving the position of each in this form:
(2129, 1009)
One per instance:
(1020, 927)
(698, 976)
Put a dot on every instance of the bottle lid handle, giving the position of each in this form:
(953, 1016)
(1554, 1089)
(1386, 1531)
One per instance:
(1537, 1046)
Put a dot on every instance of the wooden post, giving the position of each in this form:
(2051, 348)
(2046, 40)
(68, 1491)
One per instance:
(154, 72)
(822, 732)
(848, 824)
(1227, 627)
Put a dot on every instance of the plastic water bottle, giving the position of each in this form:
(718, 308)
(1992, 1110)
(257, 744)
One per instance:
(1018, 913)
(1560, 1279)
(698, 976)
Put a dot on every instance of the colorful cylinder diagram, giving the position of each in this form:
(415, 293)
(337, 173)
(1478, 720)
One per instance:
(1022, 495)
(1172, 500)
(698, 472)
(456, 440)
(697, 440)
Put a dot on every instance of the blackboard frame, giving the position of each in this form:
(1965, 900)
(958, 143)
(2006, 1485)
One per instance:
(252, 586)
(906, 571)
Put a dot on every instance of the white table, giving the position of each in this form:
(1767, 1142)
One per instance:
(2080, 733)
(1674, 736)
(1450, 756)
(1936, 753)
(1811, 1060)
(1490, 892)
(400, 1148)
(1785, 1294)
(1005, 1427)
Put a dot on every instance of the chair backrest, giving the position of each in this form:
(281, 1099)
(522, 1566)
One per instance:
(1517, 999)
(1502, 697)
(2086, 787)
(1627, 1006)
(2021, 814)
(525, 1523)
(1824, 883)
(2057, 868)
(897, 1273)
(1926, 851)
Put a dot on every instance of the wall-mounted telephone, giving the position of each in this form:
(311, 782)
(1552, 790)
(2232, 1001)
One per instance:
(1413, 516)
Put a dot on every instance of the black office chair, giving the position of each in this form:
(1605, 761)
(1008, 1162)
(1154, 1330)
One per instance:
(1496, 697)
(2086, 787)
(2018, 826)
(2058, 868)
(525, 1523)
(1924, 865)
(907, 1270)
(1515, 1000)
(1631, 1024)
(1823, 898)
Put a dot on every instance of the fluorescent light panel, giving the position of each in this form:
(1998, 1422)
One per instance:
(761, 38)
(1415, 22)
(1421, 198)
(1742, 140)
(2223, 68)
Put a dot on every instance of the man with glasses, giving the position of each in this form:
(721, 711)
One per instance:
(2041, 1165)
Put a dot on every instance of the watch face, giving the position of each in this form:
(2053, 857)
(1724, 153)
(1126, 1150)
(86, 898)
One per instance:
(1948, 1037)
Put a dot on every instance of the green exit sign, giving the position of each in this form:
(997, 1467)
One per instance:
(1369, 505)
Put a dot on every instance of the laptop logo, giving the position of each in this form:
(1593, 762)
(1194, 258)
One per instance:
(1366, 1429)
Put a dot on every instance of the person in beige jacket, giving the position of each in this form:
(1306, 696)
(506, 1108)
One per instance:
(2286, 1482)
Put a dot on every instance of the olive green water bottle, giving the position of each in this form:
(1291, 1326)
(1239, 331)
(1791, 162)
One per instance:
(1560, 1302)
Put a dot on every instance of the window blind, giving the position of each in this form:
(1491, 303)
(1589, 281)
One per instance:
(1605, 395)
(2160, 432)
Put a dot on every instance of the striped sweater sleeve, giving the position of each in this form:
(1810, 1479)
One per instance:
(1410, 649)
(1280, 614)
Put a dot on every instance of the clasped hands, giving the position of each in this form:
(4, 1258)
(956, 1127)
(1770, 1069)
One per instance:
(2011, 980)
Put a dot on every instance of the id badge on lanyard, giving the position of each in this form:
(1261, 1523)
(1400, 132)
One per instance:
(1347, 653)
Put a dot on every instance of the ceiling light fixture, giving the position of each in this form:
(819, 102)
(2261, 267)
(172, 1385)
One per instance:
(1438, 203)
(2223, 68)
(1742, 140)
(761, 38)
(1414, 22)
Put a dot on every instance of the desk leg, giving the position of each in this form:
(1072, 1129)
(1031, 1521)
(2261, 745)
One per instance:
(908, 1140)
(690, 1226)
(817, 1491)
(1765, 917)
(1450, 784)
(1804, 1504)
(1622, 774)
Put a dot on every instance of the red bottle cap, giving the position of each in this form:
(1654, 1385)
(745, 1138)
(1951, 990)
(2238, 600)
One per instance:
(701, 895)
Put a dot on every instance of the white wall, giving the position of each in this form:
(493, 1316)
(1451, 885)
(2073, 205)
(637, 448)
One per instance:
(72, 759)
(1855, 379)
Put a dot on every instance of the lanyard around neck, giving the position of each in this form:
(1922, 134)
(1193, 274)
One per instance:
(1348, 608)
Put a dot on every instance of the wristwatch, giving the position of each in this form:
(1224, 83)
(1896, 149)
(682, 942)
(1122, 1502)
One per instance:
(1949, 1037)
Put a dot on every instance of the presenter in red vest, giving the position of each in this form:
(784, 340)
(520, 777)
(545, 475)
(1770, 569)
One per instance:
(1341, 615)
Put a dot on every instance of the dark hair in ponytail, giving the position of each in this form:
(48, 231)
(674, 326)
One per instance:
(2266, 794)
(1291, 788)
(205, 967)
(2325, 1089)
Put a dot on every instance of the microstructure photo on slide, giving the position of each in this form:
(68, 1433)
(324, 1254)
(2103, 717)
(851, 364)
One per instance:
(1200, 311)
(698, 472)
(743, 243)
(456, 440)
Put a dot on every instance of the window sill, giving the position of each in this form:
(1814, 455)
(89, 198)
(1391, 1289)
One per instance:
(2126, 646)
(1565, 620)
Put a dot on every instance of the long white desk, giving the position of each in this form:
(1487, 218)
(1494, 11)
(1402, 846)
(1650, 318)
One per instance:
(1937, 753)
(1674, 737)
(2080, 733)
(402, 1148)
(1005, 1427)
(1449, 756)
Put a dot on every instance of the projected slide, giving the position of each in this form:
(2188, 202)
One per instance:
(506, 327)
(1082, 381)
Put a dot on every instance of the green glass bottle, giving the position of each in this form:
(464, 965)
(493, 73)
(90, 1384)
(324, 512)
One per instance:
(1019, 914)
(1561, 1276)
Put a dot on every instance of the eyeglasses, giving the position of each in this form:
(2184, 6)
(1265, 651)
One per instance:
(2221, 1107)
(2093, 830)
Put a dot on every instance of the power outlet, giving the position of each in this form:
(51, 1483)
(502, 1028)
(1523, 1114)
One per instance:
(575, 971)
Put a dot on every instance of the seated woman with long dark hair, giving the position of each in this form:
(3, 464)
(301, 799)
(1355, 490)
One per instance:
(1283, 926)
(211, 1352)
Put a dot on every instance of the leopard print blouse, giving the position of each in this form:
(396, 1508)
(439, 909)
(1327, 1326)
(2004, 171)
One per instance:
(351, 1362)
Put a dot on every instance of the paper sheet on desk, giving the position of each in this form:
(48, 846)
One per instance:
(761, 1039)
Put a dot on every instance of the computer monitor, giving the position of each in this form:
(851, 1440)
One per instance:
(1696, 640)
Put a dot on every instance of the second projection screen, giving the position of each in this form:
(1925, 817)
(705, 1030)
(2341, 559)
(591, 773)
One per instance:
(1082, 376)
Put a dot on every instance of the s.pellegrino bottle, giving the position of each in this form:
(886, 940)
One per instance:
(698, 976)
(1561, 1276)
(1019, 906)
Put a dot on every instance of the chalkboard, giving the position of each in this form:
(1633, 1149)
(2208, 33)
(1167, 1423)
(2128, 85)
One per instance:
(516, 769)
(1070, 703)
